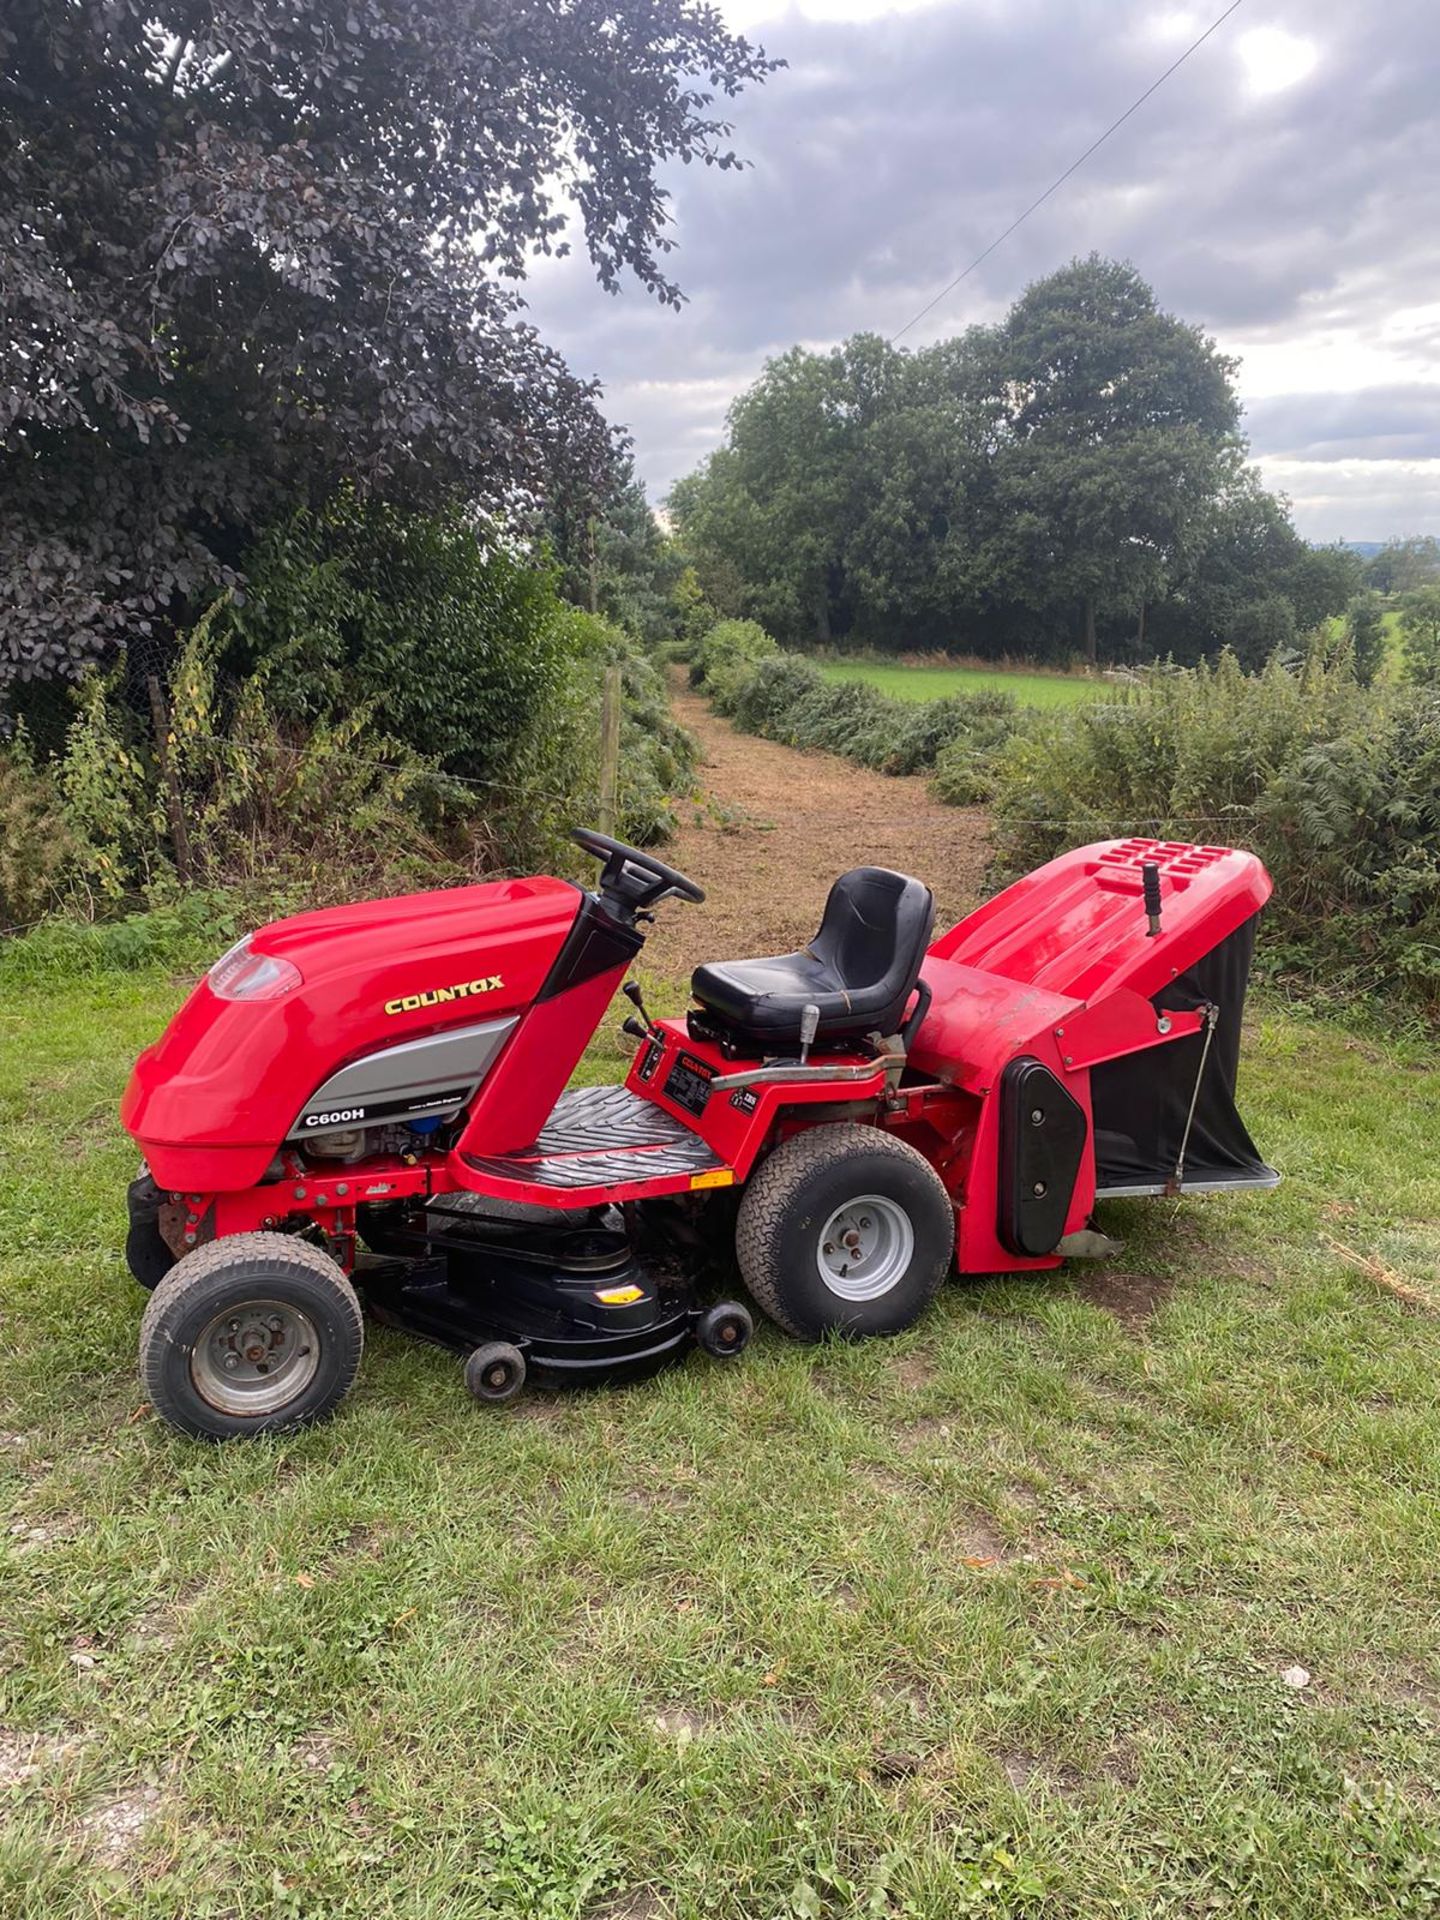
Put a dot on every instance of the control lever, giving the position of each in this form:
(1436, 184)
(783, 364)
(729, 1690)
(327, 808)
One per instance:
(633, 1027)
(1150, 880)
(809, 1027)
(632, 993)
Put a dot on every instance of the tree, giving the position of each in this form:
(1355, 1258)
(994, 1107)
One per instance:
(780, 499)
(1078, 467)
(613, 556)
(923, 501)
(1260, 629)
(249, 251)
(1420, 625)
(1365, 621)
(1321, 581)
(1116, 420)
(1403, 564)
(1246, 552)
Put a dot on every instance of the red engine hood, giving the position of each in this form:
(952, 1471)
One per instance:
(211, 1100)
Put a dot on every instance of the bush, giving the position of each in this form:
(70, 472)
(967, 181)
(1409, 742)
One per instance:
(657, 755)
(460, 640)
(978, 733)
(473, 661)
(392, 706)
(1365, 623)
(764, 700)
(786, 697)
(1420, 625)
(721, 658)
(37, 849)
(279, 812)
(184, 936)
(1335, 786)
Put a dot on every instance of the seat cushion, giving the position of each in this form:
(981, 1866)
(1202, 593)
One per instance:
(766, 996)
(859, 970)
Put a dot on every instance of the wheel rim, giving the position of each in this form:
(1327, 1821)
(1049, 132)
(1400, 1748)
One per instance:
(255, 1357)
(865, 1247)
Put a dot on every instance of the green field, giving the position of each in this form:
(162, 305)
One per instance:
(991, 1619)
(1394, 657)
(933, 683)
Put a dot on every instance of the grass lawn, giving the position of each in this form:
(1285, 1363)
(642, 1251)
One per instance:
(990, 1619)
(933, 683)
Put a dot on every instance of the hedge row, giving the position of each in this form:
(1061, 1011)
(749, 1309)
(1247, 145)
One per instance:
(285, 810)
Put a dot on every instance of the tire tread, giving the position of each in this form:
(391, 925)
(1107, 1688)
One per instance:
(261, 1253)
(774, 1187)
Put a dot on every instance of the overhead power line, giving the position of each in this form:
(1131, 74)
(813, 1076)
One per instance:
(1074, 167)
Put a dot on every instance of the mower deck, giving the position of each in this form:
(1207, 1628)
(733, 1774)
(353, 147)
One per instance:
(570, 1295)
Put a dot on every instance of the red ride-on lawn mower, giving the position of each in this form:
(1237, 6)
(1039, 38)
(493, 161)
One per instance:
(393, 1075)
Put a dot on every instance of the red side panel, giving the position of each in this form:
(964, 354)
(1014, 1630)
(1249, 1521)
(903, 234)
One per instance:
(211, 1101)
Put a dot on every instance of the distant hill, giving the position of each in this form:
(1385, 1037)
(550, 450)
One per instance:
(1367, 549)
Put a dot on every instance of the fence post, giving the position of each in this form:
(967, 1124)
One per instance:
(609, 748)
(174, 809)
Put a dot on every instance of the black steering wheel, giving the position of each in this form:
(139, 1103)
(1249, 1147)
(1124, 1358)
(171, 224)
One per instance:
(632, 878)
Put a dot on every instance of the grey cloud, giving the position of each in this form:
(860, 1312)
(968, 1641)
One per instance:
(894, 150)
(1374, 423)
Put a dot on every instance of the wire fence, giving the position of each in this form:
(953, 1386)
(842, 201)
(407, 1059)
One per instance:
(162, 726)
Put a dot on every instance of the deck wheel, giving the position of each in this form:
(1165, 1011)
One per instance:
(255, 1333)
(845, 1229)
(724, 1330)
(495, 1372)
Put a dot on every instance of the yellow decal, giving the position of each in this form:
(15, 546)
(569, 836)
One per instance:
(437, 996)
(722, 1177)
(619, 1296)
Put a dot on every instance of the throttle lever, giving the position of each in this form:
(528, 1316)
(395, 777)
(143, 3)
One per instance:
(632, 993)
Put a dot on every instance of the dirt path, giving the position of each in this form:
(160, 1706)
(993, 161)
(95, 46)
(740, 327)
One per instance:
(775, 826)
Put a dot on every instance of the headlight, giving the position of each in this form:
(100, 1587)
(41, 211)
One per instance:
(243, 975)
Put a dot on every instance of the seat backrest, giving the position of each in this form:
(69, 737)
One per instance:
(875, 929)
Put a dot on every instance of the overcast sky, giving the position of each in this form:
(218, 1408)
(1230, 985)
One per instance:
(1282, 189)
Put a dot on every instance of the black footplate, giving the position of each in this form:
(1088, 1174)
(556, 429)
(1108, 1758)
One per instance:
(602, 1135)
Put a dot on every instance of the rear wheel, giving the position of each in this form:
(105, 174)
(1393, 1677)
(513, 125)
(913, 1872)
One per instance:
(256, 1333)
(845, 1229)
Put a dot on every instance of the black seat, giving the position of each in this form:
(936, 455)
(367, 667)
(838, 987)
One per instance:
(859, 970)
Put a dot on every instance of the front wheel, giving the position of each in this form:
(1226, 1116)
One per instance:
(256, 1333)
(845, 1229)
